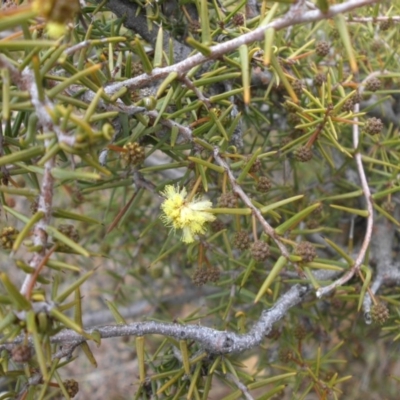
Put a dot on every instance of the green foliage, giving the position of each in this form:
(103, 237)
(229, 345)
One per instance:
(130, 115)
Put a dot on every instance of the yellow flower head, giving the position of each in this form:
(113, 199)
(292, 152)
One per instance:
(55, 29)
(57, 14)
(188, 215)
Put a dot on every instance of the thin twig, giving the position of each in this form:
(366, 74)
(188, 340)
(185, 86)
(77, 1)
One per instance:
(189, 84)
(31, 281)
(395, 18)
(183, 130)
(370, 219)
(39, 230)
(85, 44)
(45, 201)
(242, 387)
(367, 196)
(268, 229)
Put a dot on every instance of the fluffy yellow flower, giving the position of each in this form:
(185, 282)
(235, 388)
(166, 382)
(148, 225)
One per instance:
(57, 13)
(55, 29)
(188, 215)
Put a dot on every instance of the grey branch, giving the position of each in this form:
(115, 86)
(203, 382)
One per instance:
(231, 45)
(212, 340)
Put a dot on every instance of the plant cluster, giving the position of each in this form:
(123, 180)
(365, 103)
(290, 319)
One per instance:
(224, 174)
